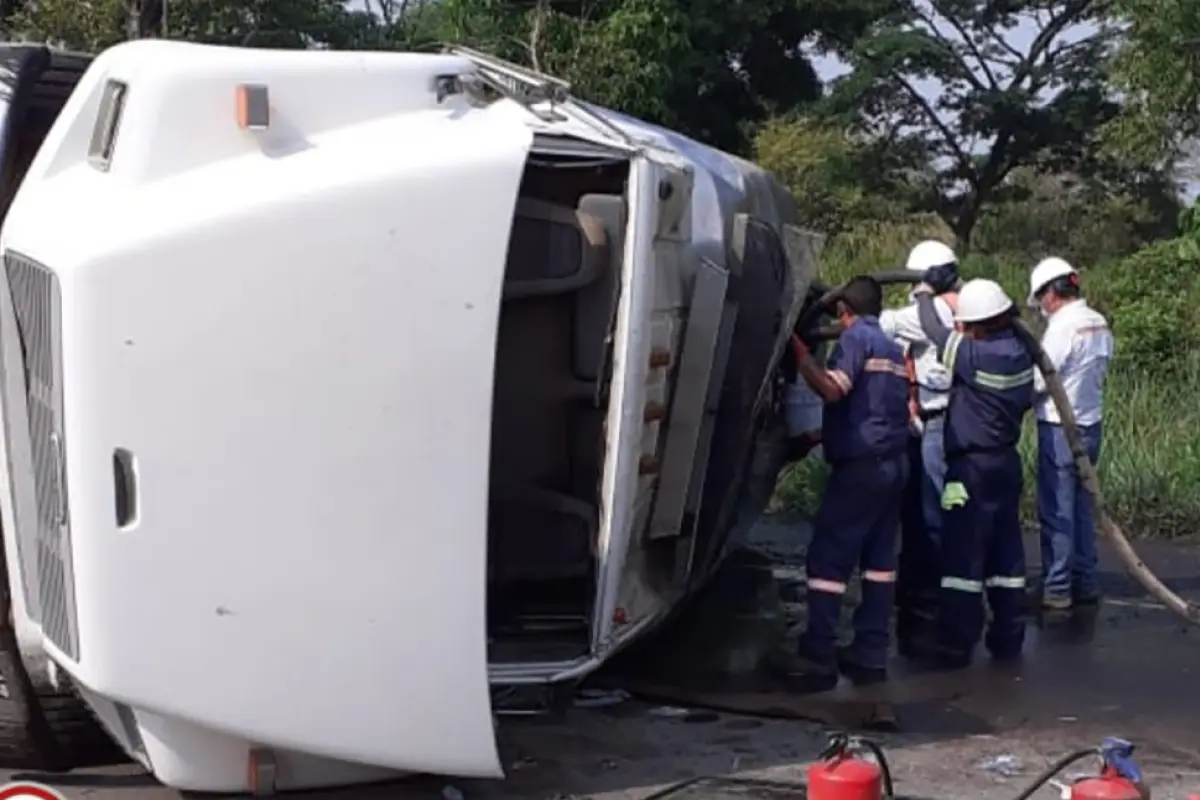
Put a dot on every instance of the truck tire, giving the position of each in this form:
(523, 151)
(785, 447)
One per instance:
(43, 727)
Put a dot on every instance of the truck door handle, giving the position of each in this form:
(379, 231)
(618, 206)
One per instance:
(125, 487)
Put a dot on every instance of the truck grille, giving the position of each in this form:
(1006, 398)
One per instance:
(36, 301)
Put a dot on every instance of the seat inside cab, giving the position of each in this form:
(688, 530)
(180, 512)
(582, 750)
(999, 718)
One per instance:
(549, 405)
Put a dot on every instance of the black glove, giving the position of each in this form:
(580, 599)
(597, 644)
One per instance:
(942, 278)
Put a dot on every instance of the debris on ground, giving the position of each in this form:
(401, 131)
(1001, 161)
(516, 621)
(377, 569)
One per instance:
(670, 712)
(600, 698)
(1006, 766)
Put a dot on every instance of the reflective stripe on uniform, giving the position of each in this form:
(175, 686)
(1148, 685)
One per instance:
(962, 585)
(829, 587)
(1005, 582)
(841, 379)
(1000, 382)
(879, 575)
(885, 365)
(950, 351)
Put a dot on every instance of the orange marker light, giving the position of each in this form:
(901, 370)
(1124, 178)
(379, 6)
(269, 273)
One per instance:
(253, 107)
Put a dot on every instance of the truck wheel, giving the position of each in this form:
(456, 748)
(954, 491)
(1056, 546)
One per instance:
(45, 728)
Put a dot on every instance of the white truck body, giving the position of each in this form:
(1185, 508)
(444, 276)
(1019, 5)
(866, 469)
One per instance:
(249, 397)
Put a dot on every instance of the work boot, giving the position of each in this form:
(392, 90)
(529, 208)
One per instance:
(1056, 602)
(801, 674)
(932, 655)
(915, 629)
(859, 673)
(1085, 596)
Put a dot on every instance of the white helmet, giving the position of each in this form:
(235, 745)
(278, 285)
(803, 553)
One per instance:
(928, 254)
(1047, 270)
(981, 299)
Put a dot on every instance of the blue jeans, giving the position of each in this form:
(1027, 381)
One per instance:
(1065, 509)
(921, 524)
(933, 477)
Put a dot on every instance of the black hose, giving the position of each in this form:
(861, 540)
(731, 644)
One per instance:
(1055, 768)
(889, 790)
(1083, 464)
(830, 296)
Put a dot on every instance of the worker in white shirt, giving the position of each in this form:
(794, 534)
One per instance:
(1080, 345)
(921, 522)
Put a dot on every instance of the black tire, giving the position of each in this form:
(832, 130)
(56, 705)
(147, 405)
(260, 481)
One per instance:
(80, 738)
(44, 728)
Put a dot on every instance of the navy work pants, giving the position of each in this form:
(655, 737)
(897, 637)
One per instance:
(982, 552)
(921, 522)
(856, 526)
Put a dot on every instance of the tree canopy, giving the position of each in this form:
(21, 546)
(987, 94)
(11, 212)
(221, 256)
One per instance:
(977, 118)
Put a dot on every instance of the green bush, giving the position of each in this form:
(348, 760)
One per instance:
(1150, 462)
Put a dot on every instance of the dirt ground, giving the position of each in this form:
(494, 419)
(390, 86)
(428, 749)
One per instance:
(1128, 670)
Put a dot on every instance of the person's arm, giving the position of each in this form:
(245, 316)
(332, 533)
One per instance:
(935, 330)
(949, 342)
(903, 325)
(845, 367)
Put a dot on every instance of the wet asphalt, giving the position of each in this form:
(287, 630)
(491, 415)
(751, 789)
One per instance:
(1128, 669)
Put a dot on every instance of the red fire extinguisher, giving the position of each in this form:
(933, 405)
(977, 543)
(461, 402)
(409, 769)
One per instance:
(839, 773)
(1119, 779)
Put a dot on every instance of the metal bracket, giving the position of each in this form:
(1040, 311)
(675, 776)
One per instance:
(690, 396)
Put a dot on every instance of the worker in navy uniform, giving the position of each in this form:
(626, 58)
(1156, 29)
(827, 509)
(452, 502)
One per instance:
(921, 517)
(865, 437)
(991, 390)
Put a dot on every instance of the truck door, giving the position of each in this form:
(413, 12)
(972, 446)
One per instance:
(627, 398)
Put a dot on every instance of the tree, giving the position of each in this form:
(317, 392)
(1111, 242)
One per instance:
(1158, 67)
(838, 180)
(712, 69)
(999, 102)
(97, 24)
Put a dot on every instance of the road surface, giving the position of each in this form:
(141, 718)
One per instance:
(1130, 671)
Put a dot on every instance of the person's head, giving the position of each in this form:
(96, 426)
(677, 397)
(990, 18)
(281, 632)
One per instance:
(1052, 284)
(861, 297)
(929, 254)
(983, 308)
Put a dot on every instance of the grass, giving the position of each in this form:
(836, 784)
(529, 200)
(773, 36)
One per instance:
(1150, 461)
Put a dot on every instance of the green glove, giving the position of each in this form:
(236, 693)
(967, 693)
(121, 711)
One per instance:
(954, 495)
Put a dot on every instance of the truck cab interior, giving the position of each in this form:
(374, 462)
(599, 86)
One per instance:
(550, 399)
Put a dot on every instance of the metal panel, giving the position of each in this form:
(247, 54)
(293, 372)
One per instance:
(687, 413)
(36, 302)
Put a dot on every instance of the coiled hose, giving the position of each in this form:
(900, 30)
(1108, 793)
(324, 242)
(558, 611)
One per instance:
(1083, 464)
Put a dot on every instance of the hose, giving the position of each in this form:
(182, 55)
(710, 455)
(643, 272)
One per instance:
(1091, 482)
(1083, 464)
(1055, 768)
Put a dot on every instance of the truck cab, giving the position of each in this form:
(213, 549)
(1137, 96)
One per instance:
(361, 386)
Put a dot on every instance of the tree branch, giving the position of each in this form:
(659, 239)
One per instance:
(947, 135)
(970, 44)
(535, 34)
(1047, 34)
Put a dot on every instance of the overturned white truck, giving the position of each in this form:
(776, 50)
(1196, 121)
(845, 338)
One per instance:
(340, 389)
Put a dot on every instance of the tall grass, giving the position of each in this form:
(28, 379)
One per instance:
(1150, 459)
